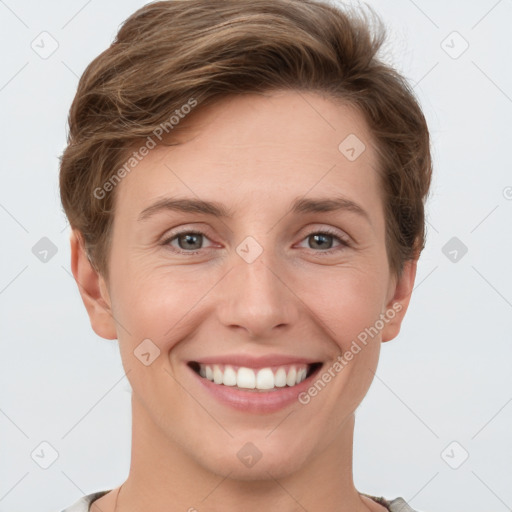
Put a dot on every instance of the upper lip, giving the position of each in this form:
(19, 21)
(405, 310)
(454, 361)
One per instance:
(248, 361)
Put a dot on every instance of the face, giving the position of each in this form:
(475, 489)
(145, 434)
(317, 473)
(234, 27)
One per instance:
(252, 253)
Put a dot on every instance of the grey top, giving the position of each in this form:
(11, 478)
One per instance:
(83, 504)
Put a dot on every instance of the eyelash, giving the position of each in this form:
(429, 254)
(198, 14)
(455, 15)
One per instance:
(326, 231)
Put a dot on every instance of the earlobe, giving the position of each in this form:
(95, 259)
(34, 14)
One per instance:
(92, 288)
(399, 302)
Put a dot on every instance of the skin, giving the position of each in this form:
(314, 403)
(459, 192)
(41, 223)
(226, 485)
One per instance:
(255, 154)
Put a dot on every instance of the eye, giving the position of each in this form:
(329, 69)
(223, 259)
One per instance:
(189, 242)
(323, 240)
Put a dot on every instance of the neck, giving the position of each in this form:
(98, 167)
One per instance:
(164, 476)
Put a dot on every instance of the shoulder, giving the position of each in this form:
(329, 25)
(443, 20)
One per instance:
(83, 504)
(399, 504)
(395, 505)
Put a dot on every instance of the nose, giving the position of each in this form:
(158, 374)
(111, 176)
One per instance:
(255, 297)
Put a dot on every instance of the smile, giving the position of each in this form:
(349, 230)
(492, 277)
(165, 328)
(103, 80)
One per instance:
(261, 379)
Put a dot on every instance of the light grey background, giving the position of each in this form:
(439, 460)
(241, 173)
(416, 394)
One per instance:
(445, 379)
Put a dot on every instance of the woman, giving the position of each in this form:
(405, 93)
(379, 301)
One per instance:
(245, 182)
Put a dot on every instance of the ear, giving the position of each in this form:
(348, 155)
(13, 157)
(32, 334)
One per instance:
(92, 288)
(400, 291)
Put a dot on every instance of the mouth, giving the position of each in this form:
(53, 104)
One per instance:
(262, 380)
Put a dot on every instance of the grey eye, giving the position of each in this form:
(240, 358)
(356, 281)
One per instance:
(321, 240)
(191, 241)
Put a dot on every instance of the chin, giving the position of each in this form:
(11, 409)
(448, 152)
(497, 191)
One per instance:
(269, 470)
(254, 461)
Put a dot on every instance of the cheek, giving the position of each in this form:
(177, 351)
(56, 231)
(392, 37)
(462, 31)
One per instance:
(348, 303)
(158, 304)
(154, 311)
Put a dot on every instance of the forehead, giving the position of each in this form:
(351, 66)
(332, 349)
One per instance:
(259, 148)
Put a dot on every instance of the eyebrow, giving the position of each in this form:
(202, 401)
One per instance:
(216, 209)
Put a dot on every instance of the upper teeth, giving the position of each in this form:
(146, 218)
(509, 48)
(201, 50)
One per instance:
(264, 378)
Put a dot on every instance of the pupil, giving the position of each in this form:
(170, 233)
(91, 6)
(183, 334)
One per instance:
(320, 237)
(190, 239)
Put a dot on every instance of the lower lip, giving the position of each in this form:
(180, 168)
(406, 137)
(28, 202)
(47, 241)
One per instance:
(256, 401)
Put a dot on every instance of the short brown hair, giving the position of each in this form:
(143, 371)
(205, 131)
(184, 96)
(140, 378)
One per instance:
(171, 51)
